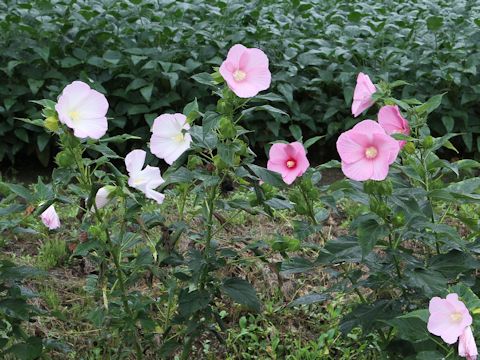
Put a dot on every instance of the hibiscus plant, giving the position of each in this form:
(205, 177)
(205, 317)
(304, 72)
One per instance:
(399, 252)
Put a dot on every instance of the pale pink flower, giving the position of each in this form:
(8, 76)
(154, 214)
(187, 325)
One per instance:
(367, 151)
(170, 139)
(145, 180)
(448, 318)
(290, 160)
(83, 110)
(103, 196)
(50, 218)
(246, 71)
(466, 345)
(362, 96)
(392, 121)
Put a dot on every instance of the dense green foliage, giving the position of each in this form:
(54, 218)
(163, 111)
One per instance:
(144, 53)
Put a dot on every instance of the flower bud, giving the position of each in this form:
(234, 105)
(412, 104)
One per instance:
(64, 160)
(51, 123)
(226, 128)
(427, 142)
(409, 148)
(372, 187)
(222, 106)
(193, 162)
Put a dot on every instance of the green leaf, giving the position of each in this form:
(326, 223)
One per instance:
(312, 141)
(191, 302)
(204, 78)
(269, 177)
(29, 350)
(432, 103)
(309, 299)
(242, 292)
(119, 139)
(147, 92)
(369, 231)
(434, 23)
(35, 85)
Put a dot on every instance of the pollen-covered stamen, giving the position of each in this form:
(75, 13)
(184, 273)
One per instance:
(371, 152)
(138, 181)
(456, 317)
(291, 164)
(179, 137)
(74, 115)
(239, 75)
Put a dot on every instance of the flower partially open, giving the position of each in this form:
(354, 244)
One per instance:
(145, 180)
(246, 71)
(362, 95)
(392, 121)
(367, 151)
(50, 218)
(290, 160)
(448, 318)
(170, 138)
(466, 345)
(83, 110)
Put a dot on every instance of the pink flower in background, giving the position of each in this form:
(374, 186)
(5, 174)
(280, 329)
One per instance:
(83, 110)
(362, 96)
(145, 180)
(290, 160)
(367, 151)
(466, 345)
(50, 218)
(392, 121)
(246, 71)
(448, 318)
(169, 139)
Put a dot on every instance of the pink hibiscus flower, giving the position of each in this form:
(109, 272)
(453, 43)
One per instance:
(169, 139)
(50, 218)
(392, 121)
(145, 180)
(290, 160)
(367, 151)
(362, 96)
(83, 110)
(466, 345)
(448, 318)
(246, 71)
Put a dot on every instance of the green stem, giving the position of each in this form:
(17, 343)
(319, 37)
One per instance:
(311, 211)
(209, 224)
(121, 282)
(395, 260)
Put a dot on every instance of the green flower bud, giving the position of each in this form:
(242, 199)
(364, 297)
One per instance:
(409, 148)
(51, 123)
(379, 208)
(64, 159)
(193, 162)
(427, 142)
(223, 107)
(226, 128)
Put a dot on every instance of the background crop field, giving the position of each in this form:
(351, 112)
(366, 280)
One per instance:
(144, 54)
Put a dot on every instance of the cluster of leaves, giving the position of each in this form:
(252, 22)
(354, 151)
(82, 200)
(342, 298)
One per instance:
(144, 58)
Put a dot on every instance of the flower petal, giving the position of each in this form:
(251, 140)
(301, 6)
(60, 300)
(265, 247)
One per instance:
(134, 160)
